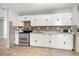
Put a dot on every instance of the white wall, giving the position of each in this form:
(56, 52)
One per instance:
(12, 16)
(5, 26)
(46, 12)
(75, 15)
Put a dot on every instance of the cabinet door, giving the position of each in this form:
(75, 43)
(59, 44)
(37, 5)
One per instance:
(50, 20)
(77, 43)
(67, 19)
(36, 20)
(2, 13)
(21, 18)
(44, 20)
(68, 42)
(34, 42)
(57, 19)
(39, 20)
(52, 40)
(33, 20)
(59, 41)
(45, 40)
(16, 38)
(24, 18)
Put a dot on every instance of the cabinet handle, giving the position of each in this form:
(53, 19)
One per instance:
(25, 17)
(35, 20)
(35, 40)
(46, 20)
(49, 34)
(71, 18)
(49, 41)
(57, 19)
(64, 42)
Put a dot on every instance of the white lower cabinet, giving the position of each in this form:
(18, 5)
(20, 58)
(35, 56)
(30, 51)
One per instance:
(68, 42)
(17, 38)
(59, 41)
(45, 41)
(52, 42)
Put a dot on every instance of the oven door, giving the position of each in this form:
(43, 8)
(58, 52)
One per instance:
(24, 38)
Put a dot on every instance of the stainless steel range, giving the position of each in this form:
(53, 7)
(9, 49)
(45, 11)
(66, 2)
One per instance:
(24, 38)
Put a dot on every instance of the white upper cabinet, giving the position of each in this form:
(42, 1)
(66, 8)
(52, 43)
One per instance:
(67, 19)
(63, 19)
(36, 20)
(60, 19)
(2, 12)
(75, 15)
(57, 19)
(18, 23)
(24, 18)
(42, 20)
(47, 20)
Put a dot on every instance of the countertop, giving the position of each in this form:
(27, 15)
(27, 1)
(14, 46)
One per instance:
(51, 33)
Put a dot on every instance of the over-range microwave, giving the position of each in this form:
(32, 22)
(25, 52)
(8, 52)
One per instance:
(77, 29)
(65, 30)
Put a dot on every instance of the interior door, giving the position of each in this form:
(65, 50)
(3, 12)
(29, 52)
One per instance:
(1, 33)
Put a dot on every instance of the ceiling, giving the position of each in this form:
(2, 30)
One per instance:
(29, 8)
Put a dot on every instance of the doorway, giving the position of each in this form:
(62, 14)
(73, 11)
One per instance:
(1, 32)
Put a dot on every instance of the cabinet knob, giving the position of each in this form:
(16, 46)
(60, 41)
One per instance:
(35, 40)
(35, 20)
(46, 20)
(57, 19)
(25, 17)
(64, 42)
(49, 34)
(71, 18)
(49, 41)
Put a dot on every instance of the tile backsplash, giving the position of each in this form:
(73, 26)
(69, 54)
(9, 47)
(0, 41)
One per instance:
(51, 28)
